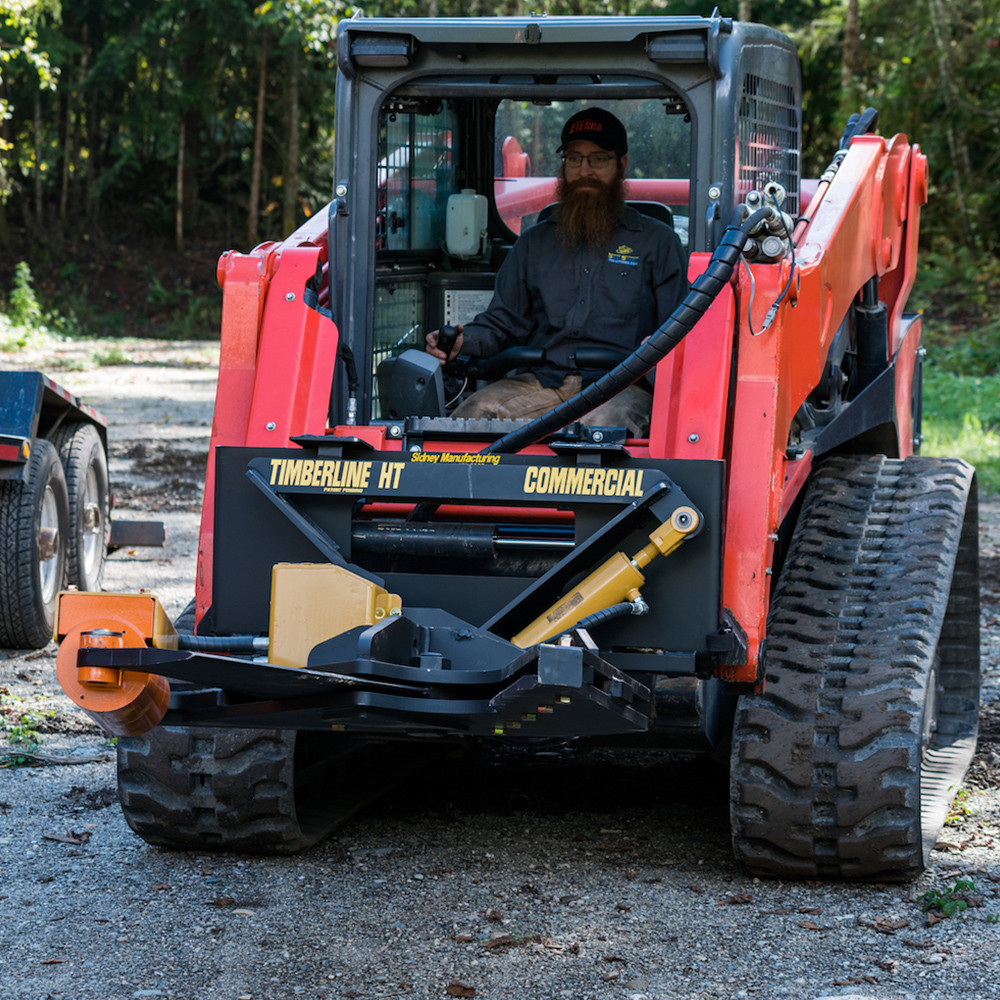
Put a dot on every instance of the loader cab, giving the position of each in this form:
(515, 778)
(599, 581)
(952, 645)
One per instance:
(454, 127)
(457, 181)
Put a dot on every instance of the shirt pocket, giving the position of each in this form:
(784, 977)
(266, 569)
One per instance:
(553, 299)
(619, 291)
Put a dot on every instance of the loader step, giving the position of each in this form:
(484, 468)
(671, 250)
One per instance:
(845, 765)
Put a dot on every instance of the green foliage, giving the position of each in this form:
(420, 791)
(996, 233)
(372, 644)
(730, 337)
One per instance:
(950, 901)
(960, 807)
(24, 322)
(958, 291)
(113, 355)
(19, 721)
(104, 152)
(24, 308)
(962, 419)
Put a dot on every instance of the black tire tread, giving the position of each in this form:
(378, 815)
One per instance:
(76, 442)
(253, 790)
(880, 585)
(25, 623)
(213, 789)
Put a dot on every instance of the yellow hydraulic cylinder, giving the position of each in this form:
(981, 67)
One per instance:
(617, 579)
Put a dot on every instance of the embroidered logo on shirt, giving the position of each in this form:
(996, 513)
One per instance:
(623, 255)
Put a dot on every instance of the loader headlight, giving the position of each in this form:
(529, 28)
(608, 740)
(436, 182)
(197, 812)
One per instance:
(382, 50)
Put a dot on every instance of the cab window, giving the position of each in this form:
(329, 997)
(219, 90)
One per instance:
(416, 173)
(527, 159)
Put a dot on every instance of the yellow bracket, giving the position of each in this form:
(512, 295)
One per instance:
(311, 602)
(617, 579)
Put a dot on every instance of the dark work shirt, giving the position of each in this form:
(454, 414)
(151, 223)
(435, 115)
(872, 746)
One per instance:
(557, 299)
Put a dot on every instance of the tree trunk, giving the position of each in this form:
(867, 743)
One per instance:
(179, 225)
(39, 222)
(67, 156)
(291, 180)
(956, 135)
(851, 61)
(257, 165)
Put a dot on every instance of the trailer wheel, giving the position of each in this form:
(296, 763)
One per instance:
(845, 766)
(86, 466)
(34, 524)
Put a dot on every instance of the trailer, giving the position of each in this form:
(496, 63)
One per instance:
(55, 504)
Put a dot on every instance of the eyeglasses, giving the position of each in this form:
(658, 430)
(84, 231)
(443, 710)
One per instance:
(596, 161)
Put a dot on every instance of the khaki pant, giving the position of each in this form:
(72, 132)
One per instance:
(521, 397)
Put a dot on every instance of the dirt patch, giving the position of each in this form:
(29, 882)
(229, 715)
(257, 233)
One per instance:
(984, 772)
(161, 477)
(566, 873)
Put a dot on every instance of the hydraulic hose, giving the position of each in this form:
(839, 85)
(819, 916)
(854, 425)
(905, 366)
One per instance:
(703, 292)
(606, 615)
(221, 643)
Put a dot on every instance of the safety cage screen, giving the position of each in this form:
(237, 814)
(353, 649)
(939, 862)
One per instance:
(769, 131)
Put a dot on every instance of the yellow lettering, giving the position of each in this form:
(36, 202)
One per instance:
(388, 477)
(589, 481)
(290, 474)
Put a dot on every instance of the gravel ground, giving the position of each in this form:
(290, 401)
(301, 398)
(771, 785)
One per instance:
(591, 875)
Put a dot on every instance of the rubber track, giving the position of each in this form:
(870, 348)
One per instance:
(207, 789)
(830, 778)
(253, 790)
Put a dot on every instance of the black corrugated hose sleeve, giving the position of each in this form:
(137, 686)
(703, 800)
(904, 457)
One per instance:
(605, 615)
(703, 291)
(216, 643)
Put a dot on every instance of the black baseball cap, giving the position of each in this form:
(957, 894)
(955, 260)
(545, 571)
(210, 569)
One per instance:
(597, 126)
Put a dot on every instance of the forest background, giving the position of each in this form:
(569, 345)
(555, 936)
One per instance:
(141, 138)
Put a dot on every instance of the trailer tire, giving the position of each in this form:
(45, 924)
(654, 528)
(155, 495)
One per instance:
(842, 767)
(34, 525)
(85, 464)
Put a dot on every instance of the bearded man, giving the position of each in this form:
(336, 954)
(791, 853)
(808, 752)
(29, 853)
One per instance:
(595, 274)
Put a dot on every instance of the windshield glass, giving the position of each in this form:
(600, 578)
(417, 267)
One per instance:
(527, 160)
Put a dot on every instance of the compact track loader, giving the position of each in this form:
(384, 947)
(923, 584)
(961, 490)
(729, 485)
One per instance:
(773, 575)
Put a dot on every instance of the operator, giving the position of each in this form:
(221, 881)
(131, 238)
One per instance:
(596, 273)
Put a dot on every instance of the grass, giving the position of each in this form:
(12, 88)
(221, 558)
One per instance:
(962, 419)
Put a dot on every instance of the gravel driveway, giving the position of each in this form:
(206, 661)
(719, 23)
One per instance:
(508, 876)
